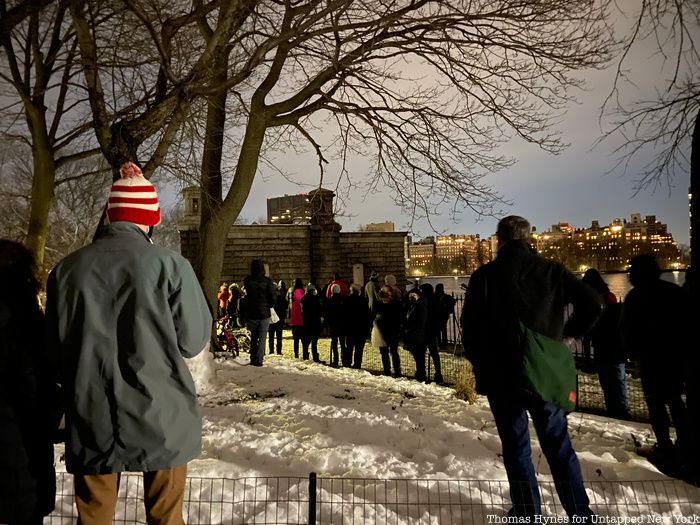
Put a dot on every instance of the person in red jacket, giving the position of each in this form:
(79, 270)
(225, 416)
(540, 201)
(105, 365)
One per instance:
(344, 290)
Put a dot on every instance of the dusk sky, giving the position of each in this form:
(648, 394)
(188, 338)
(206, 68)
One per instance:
(574, 186)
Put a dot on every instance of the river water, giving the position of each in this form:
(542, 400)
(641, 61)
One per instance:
(618, 282)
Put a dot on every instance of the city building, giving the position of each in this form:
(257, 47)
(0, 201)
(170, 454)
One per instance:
(448, 254)
(609, 247)
(387, 226)
(420, 256)
(295, 209)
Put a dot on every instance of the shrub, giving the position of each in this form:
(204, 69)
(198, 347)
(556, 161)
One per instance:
(465, 386)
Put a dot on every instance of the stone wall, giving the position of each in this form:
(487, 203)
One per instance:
(311, 252)
(381, 252)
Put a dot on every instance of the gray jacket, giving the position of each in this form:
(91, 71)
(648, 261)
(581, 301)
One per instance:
(121, 315)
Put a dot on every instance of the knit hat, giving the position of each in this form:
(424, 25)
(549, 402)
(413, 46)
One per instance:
(133, 198)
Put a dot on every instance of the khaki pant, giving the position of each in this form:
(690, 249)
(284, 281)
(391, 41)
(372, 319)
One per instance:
(164, 492)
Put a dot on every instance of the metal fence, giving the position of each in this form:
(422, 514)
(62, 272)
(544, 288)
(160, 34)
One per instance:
(322, 500)
(590, 393)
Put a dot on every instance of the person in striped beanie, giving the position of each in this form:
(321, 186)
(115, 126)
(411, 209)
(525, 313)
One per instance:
(133, 198)
(122, 316)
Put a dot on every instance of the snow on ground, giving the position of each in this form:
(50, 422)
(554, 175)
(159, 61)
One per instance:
(291, 417)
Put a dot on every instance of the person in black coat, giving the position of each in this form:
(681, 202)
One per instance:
(414, 331)
(29, 397)
(517, 287)
(259, 299)
(357, 323)
(388, 316)
(432, 327)
(608, 356)
(336, 321)
(312, 316)
(446, 305)
(655, 331)
(275, 331)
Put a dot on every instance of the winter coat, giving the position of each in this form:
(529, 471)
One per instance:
(446, 305)
(295, 316)
(29, 413)
(281, 304)
(372, 293)
(519, 285)
(655, 327)
(434, 316)
(259, 297)
(389, 317)
(344, 290)
(312, 312)
(357, 316)
(121, 314)
(414, 331)
(335, 315)
(605, 335)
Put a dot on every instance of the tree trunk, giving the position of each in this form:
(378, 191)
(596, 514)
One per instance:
(43, 182)
(41, 200)
(213, 231)
(212, 184)
(694, 208)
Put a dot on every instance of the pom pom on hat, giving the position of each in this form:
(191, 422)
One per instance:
(133, 198)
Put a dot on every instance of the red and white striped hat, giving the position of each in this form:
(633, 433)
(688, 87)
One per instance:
(133, 198)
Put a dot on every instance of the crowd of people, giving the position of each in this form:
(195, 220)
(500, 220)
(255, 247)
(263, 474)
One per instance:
(122, 313)
(351, 314)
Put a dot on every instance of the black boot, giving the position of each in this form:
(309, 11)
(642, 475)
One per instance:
(438, 368)
(397, 364)
(386, 364)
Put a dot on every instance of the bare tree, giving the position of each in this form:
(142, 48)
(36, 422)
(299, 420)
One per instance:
(669, 123)
(78, 202)
(428, 88)
(39, 55)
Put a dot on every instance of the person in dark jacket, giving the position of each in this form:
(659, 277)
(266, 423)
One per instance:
(312, 316)
(414, 331)
(277, 328)
(336, 321)
(357, 327)
(655, 331)
(388, 316)
(520, 286)
(446, 304)
(121, 315)
(432, 327)
(608, 355)
(259, 299)
(29, 399)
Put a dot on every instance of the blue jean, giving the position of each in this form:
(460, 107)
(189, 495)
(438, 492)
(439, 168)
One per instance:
(511, 419)
(258, 331)
(614, 384)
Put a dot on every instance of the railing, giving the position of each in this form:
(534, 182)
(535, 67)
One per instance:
(360, 501)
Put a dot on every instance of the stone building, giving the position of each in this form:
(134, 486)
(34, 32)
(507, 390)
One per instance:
(313, 251)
